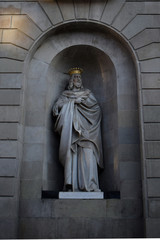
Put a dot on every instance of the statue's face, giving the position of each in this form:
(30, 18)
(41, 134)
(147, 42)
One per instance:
(77, 81)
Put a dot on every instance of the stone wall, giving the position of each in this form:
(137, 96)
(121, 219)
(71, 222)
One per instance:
(24, 26)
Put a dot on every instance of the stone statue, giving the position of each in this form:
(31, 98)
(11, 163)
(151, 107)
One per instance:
(78, 122)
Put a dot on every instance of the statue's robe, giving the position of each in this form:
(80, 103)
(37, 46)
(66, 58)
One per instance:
(80, 144)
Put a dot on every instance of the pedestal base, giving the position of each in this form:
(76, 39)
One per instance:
(81, 195)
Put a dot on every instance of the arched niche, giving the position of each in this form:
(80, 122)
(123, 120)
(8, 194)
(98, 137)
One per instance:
(110, 73)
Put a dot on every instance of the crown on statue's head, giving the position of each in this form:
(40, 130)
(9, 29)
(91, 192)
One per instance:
(75, 70)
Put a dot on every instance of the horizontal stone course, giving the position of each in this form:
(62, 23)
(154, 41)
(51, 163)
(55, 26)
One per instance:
(11, 80)
(13, 52)
(8, 148)
(149, 51)
(5, 21)
(154, 208)
(9, 65)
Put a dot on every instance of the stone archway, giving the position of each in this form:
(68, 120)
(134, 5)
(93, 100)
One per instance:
(122, 143)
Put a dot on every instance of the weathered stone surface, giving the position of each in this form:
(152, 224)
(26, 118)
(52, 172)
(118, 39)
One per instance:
(151, 113)
(52, 11)
(96, 9)
(139, 23)
(9, 97)
(34, 135)
(151, 97)
(9, 65)
(10, 7)
(33, 152)
(79, 208)
(8, 131)
(35, 118)
(150, 80)
(36, 208)
(9, 113)
(153, 168)
(31, 189)
(31, 170)
(38, 228)
(71, 228)
(154, 208)
(8, 148)
(25, 25)
(67, 9)
(8, 207)
(152, 228)
(82, 9)
(5, 21)
(152, 149)
(131, 189)
(129, 152)
(7, 186)
(128, 118)
(152, 131)
(145, 37)
(35, 12)
(130, 171)
(111, 10)
(16, 37)
(8, 228)
(13, 52)
(128, 135)
(153, 187)
(8, 167)
(38, 69)
(46, 53)
(149, 51)
(127, 102)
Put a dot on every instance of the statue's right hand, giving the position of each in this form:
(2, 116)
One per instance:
(78, 100)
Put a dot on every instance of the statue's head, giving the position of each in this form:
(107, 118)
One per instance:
(75, 78)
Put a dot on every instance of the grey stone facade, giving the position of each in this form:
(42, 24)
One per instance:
(118, 45)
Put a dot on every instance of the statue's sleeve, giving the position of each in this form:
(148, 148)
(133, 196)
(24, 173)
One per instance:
(58, 105)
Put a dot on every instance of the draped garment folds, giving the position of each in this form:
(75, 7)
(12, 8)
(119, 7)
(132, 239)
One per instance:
(80, 144)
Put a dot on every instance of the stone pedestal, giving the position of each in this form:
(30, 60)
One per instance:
(81, 195)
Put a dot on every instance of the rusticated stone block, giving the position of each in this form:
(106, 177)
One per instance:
(9, 113)
(145, 37)
(52, 11)
(67, 9)
(150, 51)
(96, 9)
(8, 167)
(154, 208)
(151, 113)
(5, 21)
(152, 131)
(153, 168)
(26, 26)
(16, 37)
(9, 97)
(153, 187)
(152, 149)
(152, 228)
(31, 189)
(11, 80)
(151, 97)
(151, 65)
(111, 10)
(151, 80)
(82, 9)
(8, 149)
(8, 131)
(8, 207)
(13, 52)
(35, 12)
(33, 152)
(31, 170)
(9, 65)
(34, 135)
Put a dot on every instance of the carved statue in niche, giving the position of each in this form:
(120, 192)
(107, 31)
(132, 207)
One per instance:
(78, 123)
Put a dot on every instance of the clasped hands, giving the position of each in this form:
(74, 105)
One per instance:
(80, 99)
